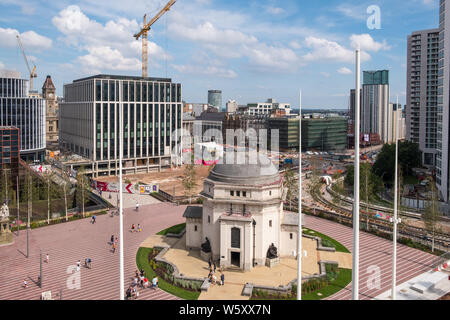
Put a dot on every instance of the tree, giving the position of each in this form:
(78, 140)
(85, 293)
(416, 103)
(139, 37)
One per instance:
(409, 157)
(189, 181)
(66, 190)
(7, 192)
(83, 189)
(291, 184)
(432, 214)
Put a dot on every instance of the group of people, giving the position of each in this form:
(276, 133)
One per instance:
(134, 229)
(140, 281)
(212, 274)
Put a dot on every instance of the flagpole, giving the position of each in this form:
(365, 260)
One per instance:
(121, 244)
(355, 255)
(299, 237)
(394, 220)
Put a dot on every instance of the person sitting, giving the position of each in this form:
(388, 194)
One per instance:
(214, 279)
(145, 283)
(87, 262)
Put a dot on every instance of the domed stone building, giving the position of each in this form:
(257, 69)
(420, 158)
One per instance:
(242, 214)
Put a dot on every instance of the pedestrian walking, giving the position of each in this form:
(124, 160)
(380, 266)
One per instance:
(214, 267)
(209, 264)
(139, 229)
(137, 206)
(94, 217)
(77, 269)
(79, 263)
(112, 239)
(114, 247)
(132, 227)
(46, 258)
(25, 283)
(222, 279)
(137, 273)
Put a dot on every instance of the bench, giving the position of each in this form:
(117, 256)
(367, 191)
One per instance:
(248, 290)
(205, 285)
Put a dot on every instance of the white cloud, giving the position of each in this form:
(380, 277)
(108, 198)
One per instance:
(295, 44)
(274, 10)
(30, 39)
(207, 33)
(344, 70)
(206, 70)
(271, 57)
(323, 49)
(109, 46)
(356, 12)
(366, 42)
(106, 58)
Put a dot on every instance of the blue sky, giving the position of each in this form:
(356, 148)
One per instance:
(251, 50)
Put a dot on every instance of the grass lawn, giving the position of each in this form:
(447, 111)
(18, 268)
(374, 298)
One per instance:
(343, 279)
(337, 245)
(142, 263)
(175, 229)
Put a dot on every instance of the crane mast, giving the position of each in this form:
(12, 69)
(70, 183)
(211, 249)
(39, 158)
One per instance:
(32, 72)
(144, 34)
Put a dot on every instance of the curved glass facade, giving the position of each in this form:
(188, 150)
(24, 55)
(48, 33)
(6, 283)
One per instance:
(19, 110)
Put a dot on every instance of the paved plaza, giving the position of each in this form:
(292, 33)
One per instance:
(69, 242)
(189, 263)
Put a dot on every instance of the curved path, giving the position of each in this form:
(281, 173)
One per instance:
(67, 243)
(374, 252)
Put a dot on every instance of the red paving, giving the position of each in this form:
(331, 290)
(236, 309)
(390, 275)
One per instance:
(374, 251)
(69, 242)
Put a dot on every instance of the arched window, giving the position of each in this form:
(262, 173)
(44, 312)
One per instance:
(235, 238)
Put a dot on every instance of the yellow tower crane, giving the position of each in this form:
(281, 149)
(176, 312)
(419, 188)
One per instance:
(32, 72)
(144, 34)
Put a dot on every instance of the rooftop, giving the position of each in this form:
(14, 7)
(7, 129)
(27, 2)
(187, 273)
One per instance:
(116, 77)
(241, 168)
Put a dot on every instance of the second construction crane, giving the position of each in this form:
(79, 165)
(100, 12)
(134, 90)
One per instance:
(32, 72)
(144, 34)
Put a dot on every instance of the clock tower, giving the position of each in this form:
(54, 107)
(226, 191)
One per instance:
(52, 108)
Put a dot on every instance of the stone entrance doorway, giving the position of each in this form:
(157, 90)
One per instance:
(236, 259)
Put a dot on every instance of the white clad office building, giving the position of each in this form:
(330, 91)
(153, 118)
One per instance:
(19, 109)
(152, 122)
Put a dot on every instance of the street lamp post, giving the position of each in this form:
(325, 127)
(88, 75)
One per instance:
(40, 268)
(18, 206)
(299, 237)
(121, 244)
(395, 220)
(355, 253)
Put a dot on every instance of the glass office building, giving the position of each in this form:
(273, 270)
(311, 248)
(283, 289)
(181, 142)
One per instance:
(18, 109)
(152, 119)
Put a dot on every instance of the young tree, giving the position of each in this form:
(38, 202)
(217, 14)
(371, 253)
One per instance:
(432, 214)
(291, 184)
(83, 188)
(66, 190)
(189, 181)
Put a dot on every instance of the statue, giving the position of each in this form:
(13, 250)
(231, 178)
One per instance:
(272, 253)
(4, 212)
(206, 247)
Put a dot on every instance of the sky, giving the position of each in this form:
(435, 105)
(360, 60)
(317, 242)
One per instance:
(251, 50)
